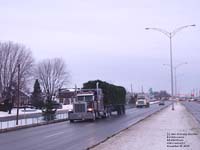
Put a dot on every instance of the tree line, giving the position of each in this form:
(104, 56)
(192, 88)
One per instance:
(52, 74)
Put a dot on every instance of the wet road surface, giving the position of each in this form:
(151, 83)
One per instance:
(72, 136)
(193, 108)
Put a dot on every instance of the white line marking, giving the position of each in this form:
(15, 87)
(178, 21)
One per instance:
(54, 134)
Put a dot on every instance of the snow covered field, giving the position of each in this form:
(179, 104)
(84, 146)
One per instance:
(27, 121)
(30, 111)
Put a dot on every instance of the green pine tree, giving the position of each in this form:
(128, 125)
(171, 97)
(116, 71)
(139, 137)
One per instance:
(36, 98)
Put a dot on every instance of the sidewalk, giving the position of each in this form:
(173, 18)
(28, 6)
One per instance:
(166, 130)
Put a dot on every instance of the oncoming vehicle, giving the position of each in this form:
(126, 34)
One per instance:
(92, 103)
(161, 102)
(142, 101)
(87, 107)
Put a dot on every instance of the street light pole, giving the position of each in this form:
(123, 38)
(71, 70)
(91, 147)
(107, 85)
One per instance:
(18, 86)
(175, 81)
(175, 68)
(175, 76)
(170, 35)
(171, 68)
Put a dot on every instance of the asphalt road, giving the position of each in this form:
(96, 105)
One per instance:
(193, 108)
(72, 136)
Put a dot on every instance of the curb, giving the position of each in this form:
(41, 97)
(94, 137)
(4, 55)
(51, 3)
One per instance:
(127, 128)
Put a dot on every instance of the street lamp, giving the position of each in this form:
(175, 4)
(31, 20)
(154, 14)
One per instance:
(170, 35)
(175, 76)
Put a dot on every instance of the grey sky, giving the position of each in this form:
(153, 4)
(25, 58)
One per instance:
(105, 39)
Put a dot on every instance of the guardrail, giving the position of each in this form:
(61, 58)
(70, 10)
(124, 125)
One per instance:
(23, 122)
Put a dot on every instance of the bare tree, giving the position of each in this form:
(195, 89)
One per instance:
(11, 55)
(53, 75)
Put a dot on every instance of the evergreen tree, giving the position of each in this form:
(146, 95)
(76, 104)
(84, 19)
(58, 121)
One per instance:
(36, 98)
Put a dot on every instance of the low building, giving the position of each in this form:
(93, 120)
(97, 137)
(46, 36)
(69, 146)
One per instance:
(24, 99)
(66, 96)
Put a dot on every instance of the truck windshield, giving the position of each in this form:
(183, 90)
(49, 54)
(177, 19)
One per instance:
(88, 98)
(85, 98)
(141, 97)
(80, 98)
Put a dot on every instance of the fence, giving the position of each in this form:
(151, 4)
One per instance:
(6, 124)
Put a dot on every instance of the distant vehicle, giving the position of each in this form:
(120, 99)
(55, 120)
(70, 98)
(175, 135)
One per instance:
(161, 102)
(191, 100)
(142, 101)
(182, 99)
(92, 103)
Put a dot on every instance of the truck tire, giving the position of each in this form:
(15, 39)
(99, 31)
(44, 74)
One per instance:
(104, 115)
(71, 121)
(94, 116)
(123, 110)
(119, 111)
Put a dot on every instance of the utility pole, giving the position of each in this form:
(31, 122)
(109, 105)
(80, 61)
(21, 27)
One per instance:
(18, 86)
(142, 89)
(131, 89)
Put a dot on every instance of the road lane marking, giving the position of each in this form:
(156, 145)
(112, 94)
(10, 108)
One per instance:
(55, 134)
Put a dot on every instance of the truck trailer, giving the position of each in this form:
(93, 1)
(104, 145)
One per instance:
(97, 99)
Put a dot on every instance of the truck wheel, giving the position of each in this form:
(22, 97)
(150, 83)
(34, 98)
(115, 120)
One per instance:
(104, 115)
(119, 112)
(94, 117)
(148, 105)
(71, 121)
(123, 110)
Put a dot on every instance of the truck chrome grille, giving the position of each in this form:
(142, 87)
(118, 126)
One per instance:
(140, 102)
(80, 107)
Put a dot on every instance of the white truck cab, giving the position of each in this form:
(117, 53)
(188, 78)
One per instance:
(142, 101)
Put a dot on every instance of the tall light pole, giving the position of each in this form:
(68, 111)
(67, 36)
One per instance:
(175, 68)
(170, 35)
(18, 94)
(175, 76)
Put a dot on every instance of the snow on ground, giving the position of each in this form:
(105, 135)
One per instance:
(28, 121)
(154, 102)
(151, 133)
(21, 111)
(30, 111)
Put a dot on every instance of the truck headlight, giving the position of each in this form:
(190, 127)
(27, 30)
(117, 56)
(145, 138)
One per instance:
(70, 110)
(90, 109)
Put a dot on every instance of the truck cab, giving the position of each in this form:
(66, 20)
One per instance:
(142, 101)
(88, 105)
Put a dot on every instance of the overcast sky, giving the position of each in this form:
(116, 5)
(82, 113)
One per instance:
(107, 40)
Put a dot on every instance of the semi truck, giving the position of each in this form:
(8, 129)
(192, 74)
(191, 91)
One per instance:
(97, 99)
